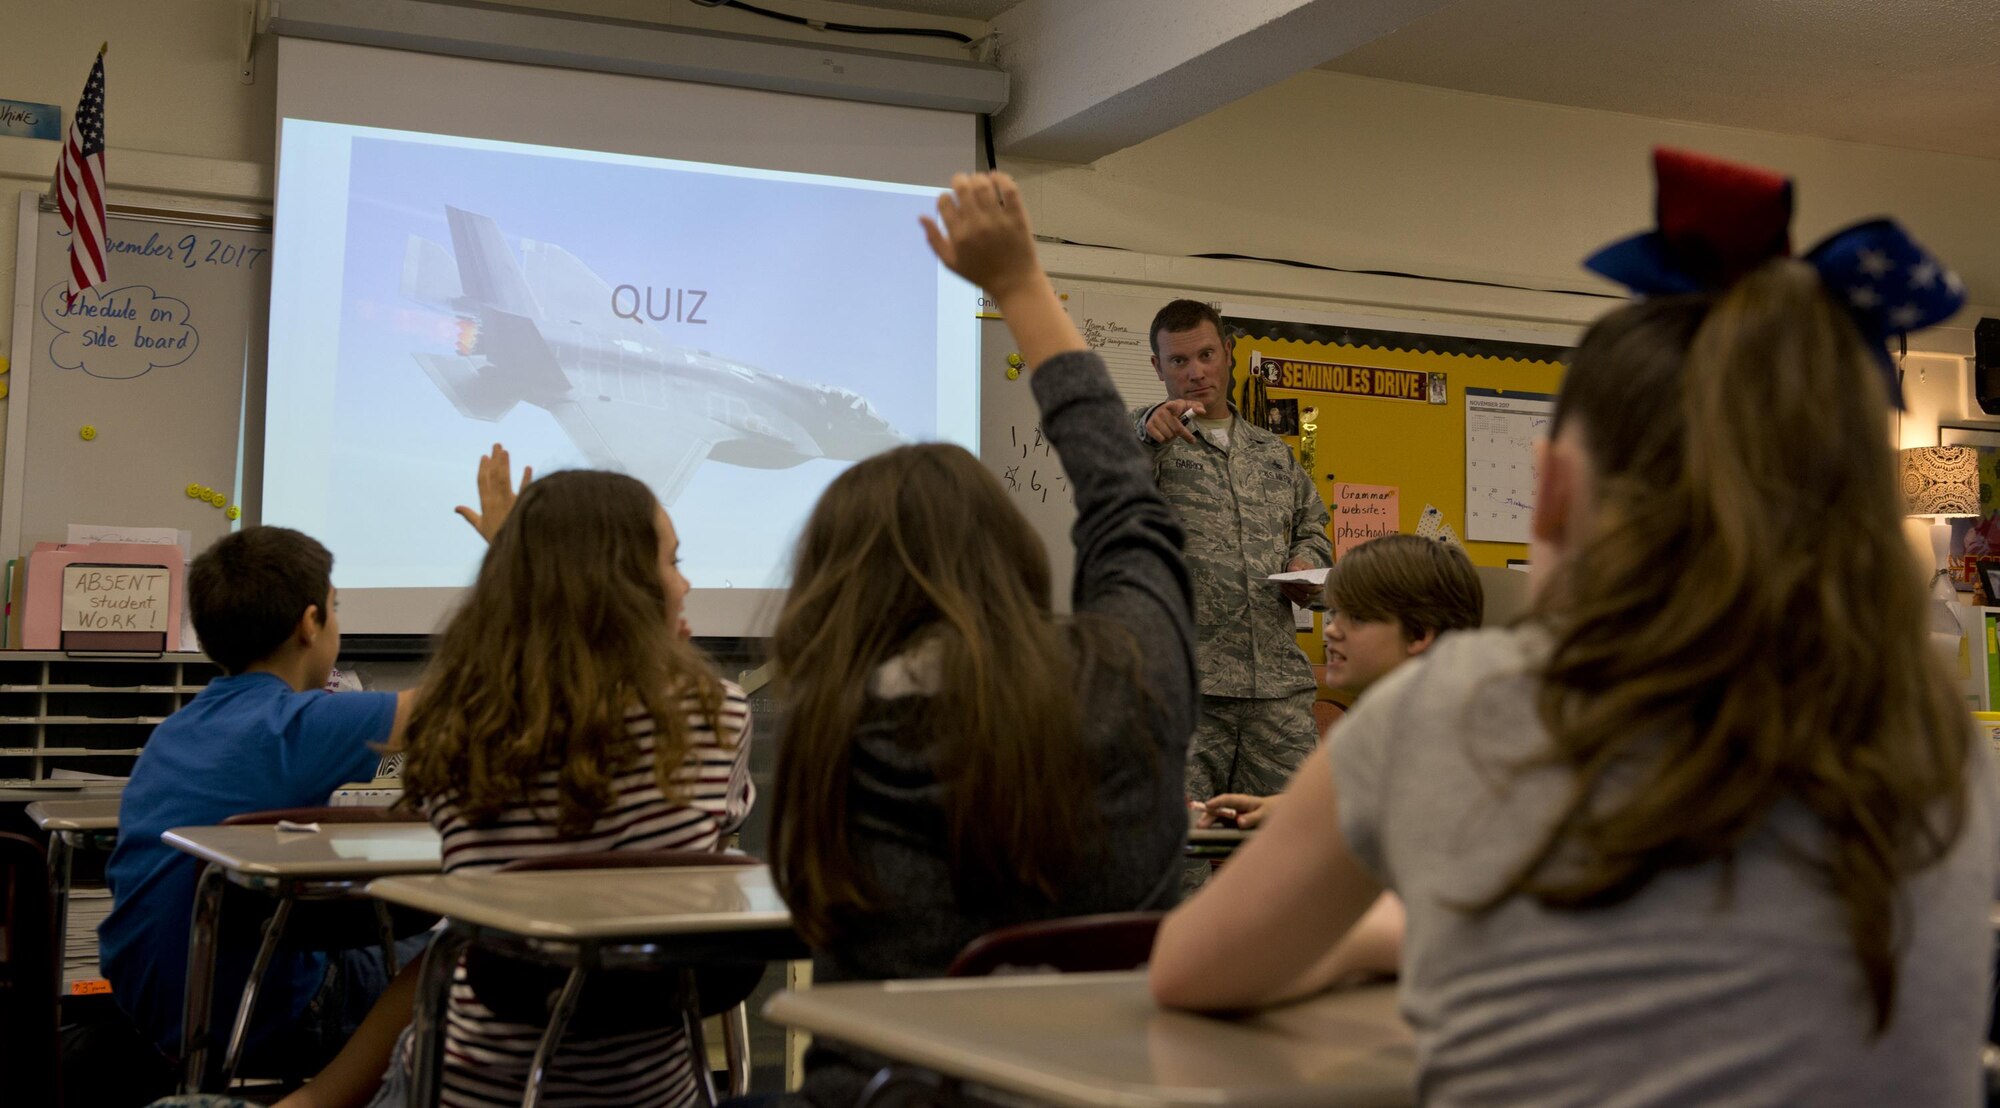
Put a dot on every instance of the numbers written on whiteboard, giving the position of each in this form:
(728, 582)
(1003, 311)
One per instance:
(1038, 474)
(192, 250)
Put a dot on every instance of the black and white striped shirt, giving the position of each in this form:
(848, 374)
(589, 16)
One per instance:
(486, 1059)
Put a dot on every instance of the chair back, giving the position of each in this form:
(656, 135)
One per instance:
(1079, 944)
(519, 991)
(344, 814)
(30, 974)
(629, 859)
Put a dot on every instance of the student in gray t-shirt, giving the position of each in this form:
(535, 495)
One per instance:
(1711, 826)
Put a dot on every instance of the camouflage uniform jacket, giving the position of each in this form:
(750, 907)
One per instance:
(1248, 511)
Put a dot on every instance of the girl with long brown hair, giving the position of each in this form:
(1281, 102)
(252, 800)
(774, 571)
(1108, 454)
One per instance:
(563, 712)
(955, 757)
(1709, 827)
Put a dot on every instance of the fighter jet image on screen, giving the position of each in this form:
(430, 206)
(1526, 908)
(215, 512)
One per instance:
(544, 332)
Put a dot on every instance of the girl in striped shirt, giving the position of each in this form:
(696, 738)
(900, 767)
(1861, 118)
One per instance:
(563, 714)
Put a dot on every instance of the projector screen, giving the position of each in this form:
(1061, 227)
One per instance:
(733, 334)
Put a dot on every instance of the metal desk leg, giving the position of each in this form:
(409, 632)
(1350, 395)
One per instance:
(894, 1083)
(427, 1018)
(195, 1005)
(559, 1017)
(61, 850)
(736, 1048)
(704, 1078)
(385, 930)
(253, 987)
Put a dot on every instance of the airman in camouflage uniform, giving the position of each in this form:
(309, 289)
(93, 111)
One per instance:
(1249, 511)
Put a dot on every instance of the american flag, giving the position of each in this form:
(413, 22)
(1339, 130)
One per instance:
(80, 185)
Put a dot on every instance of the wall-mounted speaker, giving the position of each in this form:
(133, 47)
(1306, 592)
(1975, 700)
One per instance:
(1986, 365)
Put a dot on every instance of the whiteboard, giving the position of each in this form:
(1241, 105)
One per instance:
(142, 389)
(1011, 442)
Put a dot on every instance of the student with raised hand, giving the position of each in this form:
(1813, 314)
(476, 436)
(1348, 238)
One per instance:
(955, 756)
(563, 712)
(1710, 827)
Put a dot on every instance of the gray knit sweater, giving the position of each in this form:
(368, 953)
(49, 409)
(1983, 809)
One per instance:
(1128, 572)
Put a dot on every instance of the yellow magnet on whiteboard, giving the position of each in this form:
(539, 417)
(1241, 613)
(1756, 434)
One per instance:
(5, 365)
(87, 433)
(1013, 374)
(218, 500)
(1016, 361)
(194, 492)
(234, 513)
(3, 388)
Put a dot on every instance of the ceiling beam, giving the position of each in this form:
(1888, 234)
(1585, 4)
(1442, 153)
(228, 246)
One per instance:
(1093, 78)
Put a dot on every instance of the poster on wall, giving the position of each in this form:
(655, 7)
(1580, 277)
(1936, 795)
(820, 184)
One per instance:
(1375, 382)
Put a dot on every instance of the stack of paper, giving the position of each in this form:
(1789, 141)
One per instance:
(87, 908)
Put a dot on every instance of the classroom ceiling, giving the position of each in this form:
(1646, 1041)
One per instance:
(956, 9)
(1917, 74)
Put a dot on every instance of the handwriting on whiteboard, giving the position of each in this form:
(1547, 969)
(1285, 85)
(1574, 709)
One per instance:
(1032, 469)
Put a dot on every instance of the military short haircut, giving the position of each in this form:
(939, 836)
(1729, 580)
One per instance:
(1423, 584)
(1183, 315)
(247, 591)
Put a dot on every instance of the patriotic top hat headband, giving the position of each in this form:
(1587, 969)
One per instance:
(1718, 221)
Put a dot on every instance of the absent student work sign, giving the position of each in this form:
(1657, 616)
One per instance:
(115, 607)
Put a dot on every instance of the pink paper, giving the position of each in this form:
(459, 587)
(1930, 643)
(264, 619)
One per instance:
(42, 629)
(1360, 513)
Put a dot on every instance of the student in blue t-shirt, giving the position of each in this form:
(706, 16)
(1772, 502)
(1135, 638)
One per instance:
(264, 736)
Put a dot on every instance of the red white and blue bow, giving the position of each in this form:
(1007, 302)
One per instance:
(1719, 220)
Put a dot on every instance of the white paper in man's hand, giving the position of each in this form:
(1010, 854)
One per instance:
(1309, 576)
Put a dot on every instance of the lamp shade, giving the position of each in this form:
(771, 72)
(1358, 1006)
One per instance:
(1941, 480)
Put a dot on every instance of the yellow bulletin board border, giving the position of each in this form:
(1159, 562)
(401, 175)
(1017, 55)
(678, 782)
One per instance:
(1398, 342)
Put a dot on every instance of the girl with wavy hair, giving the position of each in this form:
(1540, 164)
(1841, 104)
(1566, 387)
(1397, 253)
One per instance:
(955, 757)
(1711, 826)
(563, 712)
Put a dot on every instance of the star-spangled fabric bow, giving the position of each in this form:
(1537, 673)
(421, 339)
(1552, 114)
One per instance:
(1719, 220)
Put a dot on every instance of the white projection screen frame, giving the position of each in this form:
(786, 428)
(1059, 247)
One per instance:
(405, 91)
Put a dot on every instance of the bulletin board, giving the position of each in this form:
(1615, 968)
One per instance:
(143, 389)
(1375, 427)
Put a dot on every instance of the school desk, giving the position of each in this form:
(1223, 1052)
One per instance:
(1211, 842)
(1214, 842)
(71, 824)
(1097, 1040)
(585, 920)
(334, 863)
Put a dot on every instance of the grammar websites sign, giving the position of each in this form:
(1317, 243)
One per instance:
(1350, 380)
